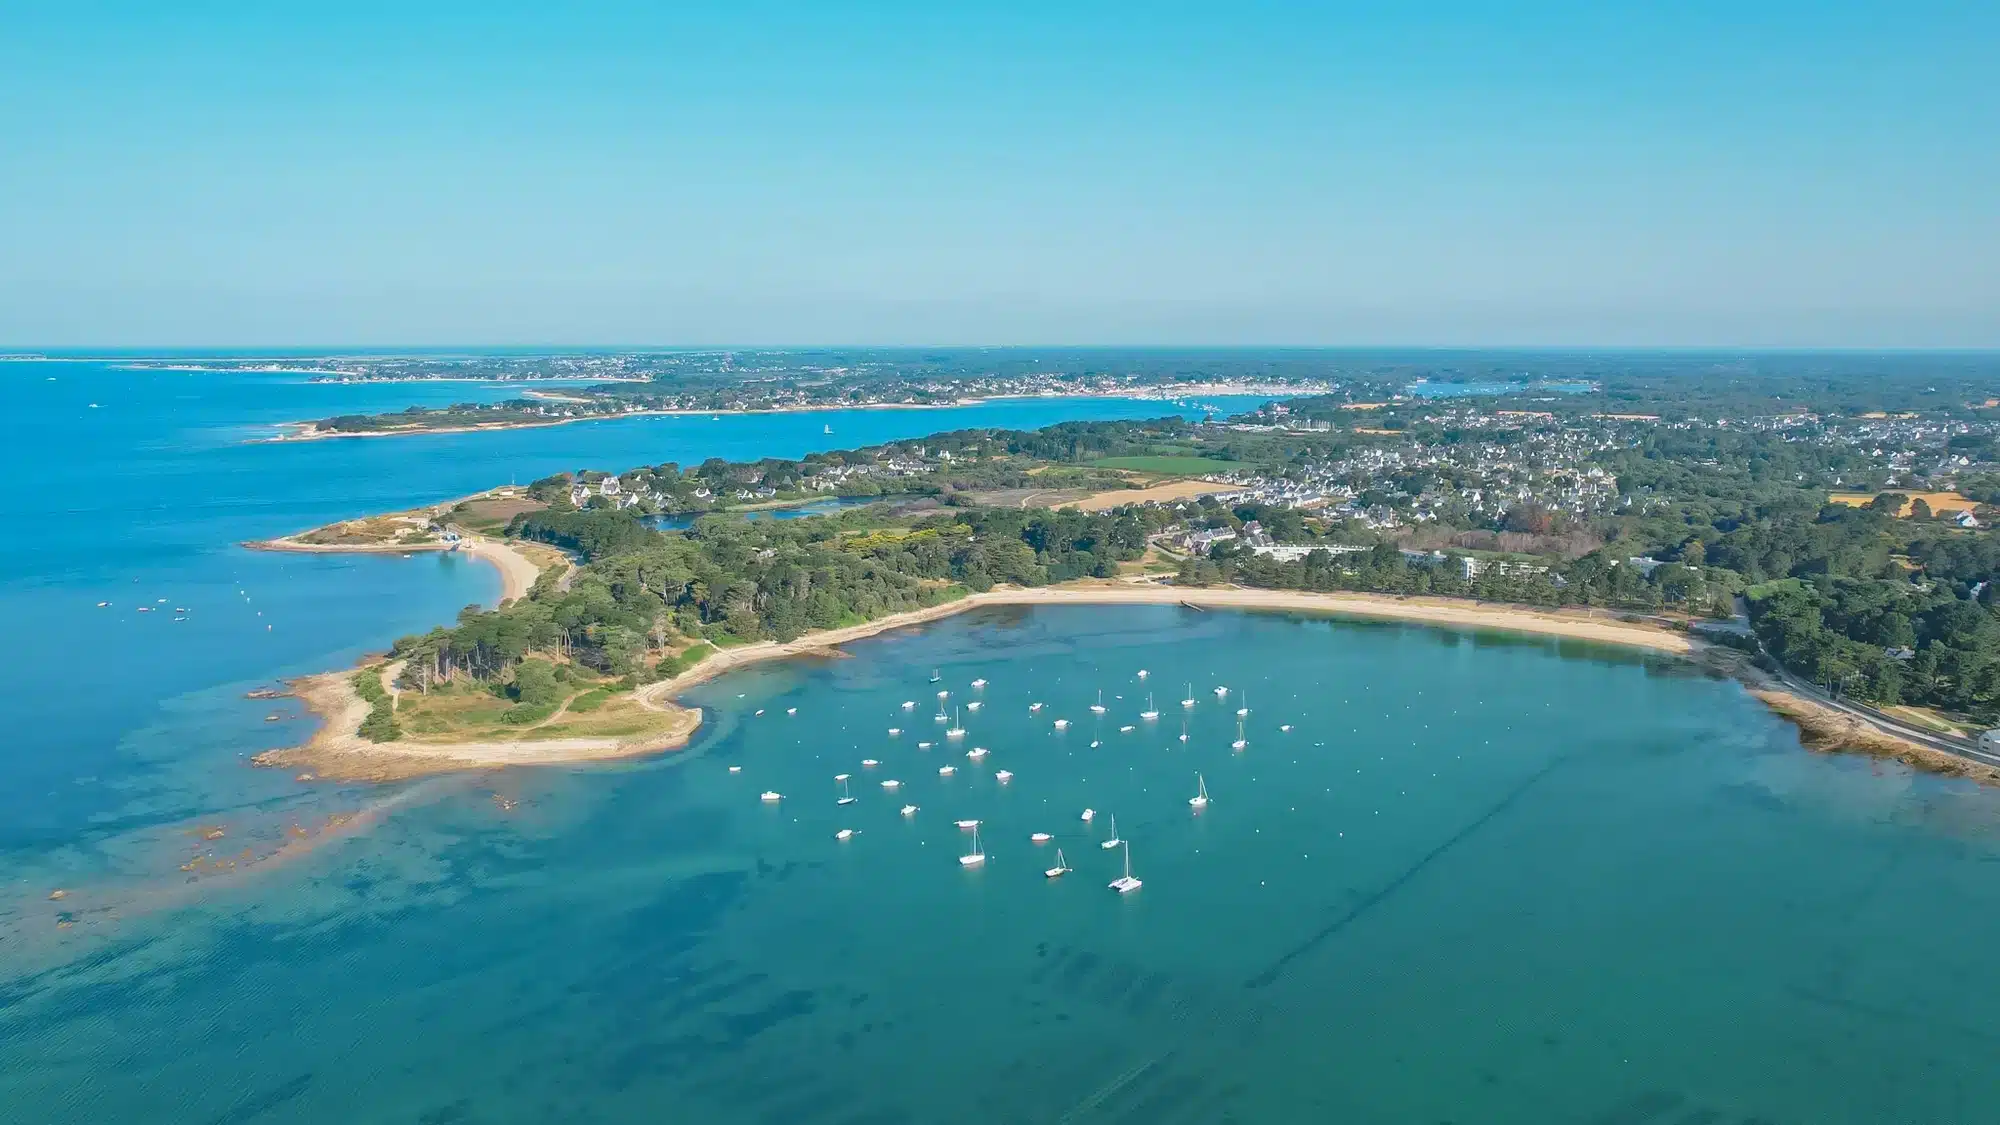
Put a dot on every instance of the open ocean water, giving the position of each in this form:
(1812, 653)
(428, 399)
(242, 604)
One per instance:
(1481, 879)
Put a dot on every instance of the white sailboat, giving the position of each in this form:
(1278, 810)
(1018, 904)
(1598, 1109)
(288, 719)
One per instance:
(1240, 742)
(975, 857)
(1189, 701)
(968, 824)
(934, 675)
(1184, 735)
(846, 798)
(1126, 882)
(1114, 841)
(826, 429)
(1200, 798)
(1098, 706)
(1060, 869)
(955, 730)
(1245, 709)
(1151, 712)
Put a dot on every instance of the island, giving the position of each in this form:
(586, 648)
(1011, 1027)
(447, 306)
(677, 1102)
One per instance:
(1730, 543)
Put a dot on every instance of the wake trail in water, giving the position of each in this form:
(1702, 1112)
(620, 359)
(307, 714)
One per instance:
(1270, 975)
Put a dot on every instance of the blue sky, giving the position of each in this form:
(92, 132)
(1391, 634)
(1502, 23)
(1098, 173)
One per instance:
(1781, 174)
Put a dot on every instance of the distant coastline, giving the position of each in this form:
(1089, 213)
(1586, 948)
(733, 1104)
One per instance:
(309, 431)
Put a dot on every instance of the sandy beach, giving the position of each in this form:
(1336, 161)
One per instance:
(338, 750)
(517, 571)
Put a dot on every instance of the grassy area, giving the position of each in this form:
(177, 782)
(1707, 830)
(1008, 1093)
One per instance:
(1925, 717)
(1166, 466)
(375, 531)
(467, 712)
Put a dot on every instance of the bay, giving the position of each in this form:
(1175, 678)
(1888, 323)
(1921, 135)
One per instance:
(1481, 878)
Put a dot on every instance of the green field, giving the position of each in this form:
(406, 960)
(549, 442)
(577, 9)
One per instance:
(1166, 466)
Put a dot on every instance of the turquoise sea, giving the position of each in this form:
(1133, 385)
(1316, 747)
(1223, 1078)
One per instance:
(1480, 879)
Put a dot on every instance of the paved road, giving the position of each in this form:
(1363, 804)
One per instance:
(1875, 718)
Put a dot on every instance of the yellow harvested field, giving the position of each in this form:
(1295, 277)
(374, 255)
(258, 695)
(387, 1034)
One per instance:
(1159, 493)
(1938, 501)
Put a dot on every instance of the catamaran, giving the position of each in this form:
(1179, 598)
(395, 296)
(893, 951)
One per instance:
(909, 810)
(975, 857)
(1126, 882)
(1151, 712)
(974, 705)
(1062, 724)
(1114, 841)
(1004, 776)
(1060, 869)
(1200, 798)
(976, 753)
(979, 683)
(909, 704)
(947, 771)
(1221, 691)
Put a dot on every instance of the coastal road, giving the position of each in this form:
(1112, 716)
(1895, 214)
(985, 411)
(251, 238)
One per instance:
(1882, 722)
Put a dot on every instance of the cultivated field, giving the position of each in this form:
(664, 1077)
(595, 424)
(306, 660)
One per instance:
(1938, 501)
(1159, 493)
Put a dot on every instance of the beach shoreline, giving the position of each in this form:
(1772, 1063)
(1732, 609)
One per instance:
(517, 571)
(338, 751)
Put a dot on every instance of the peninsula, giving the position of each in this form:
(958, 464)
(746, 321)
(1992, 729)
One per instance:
(628, 587)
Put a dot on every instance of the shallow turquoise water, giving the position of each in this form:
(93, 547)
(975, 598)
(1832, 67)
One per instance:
(125, 724)
(1482, 879)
